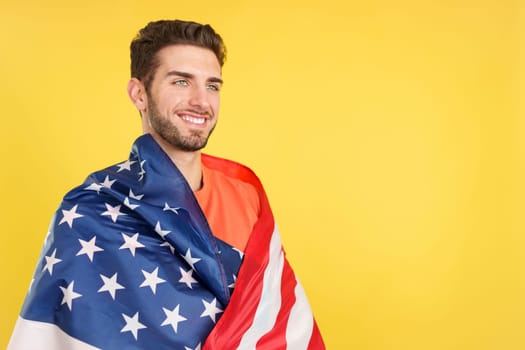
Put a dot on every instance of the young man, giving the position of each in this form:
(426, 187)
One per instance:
(170, 249)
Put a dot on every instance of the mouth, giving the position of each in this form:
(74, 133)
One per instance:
(193, 119)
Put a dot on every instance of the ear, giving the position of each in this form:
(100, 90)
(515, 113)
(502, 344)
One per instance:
(137, 94)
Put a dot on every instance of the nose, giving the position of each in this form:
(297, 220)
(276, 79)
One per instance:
(199, 98)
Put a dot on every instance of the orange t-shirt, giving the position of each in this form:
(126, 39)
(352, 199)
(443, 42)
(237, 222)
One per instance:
(231, 206)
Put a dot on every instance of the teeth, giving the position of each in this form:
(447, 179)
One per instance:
(193, 120)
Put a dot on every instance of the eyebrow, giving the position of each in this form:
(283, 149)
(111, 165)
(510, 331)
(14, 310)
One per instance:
(191, 76)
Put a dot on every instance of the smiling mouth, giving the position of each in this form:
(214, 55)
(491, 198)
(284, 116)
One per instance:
(193, 120)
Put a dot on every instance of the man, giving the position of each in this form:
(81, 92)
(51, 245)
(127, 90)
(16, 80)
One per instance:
(170, 249)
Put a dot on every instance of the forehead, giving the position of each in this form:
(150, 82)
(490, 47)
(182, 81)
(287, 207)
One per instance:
(190, 59)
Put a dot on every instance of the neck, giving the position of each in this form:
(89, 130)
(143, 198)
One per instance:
(188, 163)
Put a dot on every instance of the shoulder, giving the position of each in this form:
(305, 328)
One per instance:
(116, 178)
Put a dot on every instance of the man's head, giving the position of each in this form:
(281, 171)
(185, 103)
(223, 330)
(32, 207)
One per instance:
(176, 81)
(159, 34)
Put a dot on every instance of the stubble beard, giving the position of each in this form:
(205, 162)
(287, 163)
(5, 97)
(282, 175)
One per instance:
(193, 142)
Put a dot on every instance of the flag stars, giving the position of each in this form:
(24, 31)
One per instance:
(210, 309)
(167, 244)
(196, 348)
(160, 231)
(142, 172)
(50, 262)
(167, 207)
(114, 212)
(131, 243)
(128, 204)
(125, 165)
(89, 248)
(107, 182)
(234, 281)
(94, 187)
(132, 325)
(98, 186)
(190, 260)
(70, 215)
(241, 254)
(110, 285)
(173, 317)
(151, 279)
(135, 196)
(186, 277)
(69, 295)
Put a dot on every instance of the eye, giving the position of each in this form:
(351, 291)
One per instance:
(180, 82)
(214, 87)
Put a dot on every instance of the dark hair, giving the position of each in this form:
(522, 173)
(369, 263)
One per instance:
(159, 34)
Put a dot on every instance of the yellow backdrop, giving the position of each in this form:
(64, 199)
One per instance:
(389, 136)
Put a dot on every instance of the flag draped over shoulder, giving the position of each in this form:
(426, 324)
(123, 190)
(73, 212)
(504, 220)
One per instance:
(130, 262)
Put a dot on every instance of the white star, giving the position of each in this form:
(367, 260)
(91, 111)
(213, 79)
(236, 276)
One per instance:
(132, 195)
(125, 165)
(197, 348)
(94, 187)
(241, 254)
(135, 196)
(167, 207)
(160, 231)
(173, 318)
(131, 243)
(190, 260)
(186, 277)
(114, 212)
(167, 244)
(110, 285)
(151, 279)
(50, 262)
(107, 182)
(89, 248)
(142, 172)
(129, 205)
(70, 215)
(132, 324)
(210, 309)
(69, 295)
(234, 281)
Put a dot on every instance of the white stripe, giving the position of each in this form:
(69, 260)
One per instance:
(300, 323)
(270, 302)
(34, 335)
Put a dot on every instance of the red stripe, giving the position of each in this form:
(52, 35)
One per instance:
(239, 314)
(276, 338)
(316, 341)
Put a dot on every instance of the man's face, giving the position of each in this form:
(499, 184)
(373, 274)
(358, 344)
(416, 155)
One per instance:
(183, 99)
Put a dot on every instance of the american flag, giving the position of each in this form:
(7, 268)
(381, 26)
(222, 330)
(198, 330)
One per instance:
(130, 262)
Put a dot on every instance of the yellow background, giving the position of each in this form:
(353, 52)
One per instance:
(389, 136)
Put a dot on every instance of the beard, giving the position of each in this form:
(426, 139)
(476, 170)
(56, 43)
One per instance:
(195, 141)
